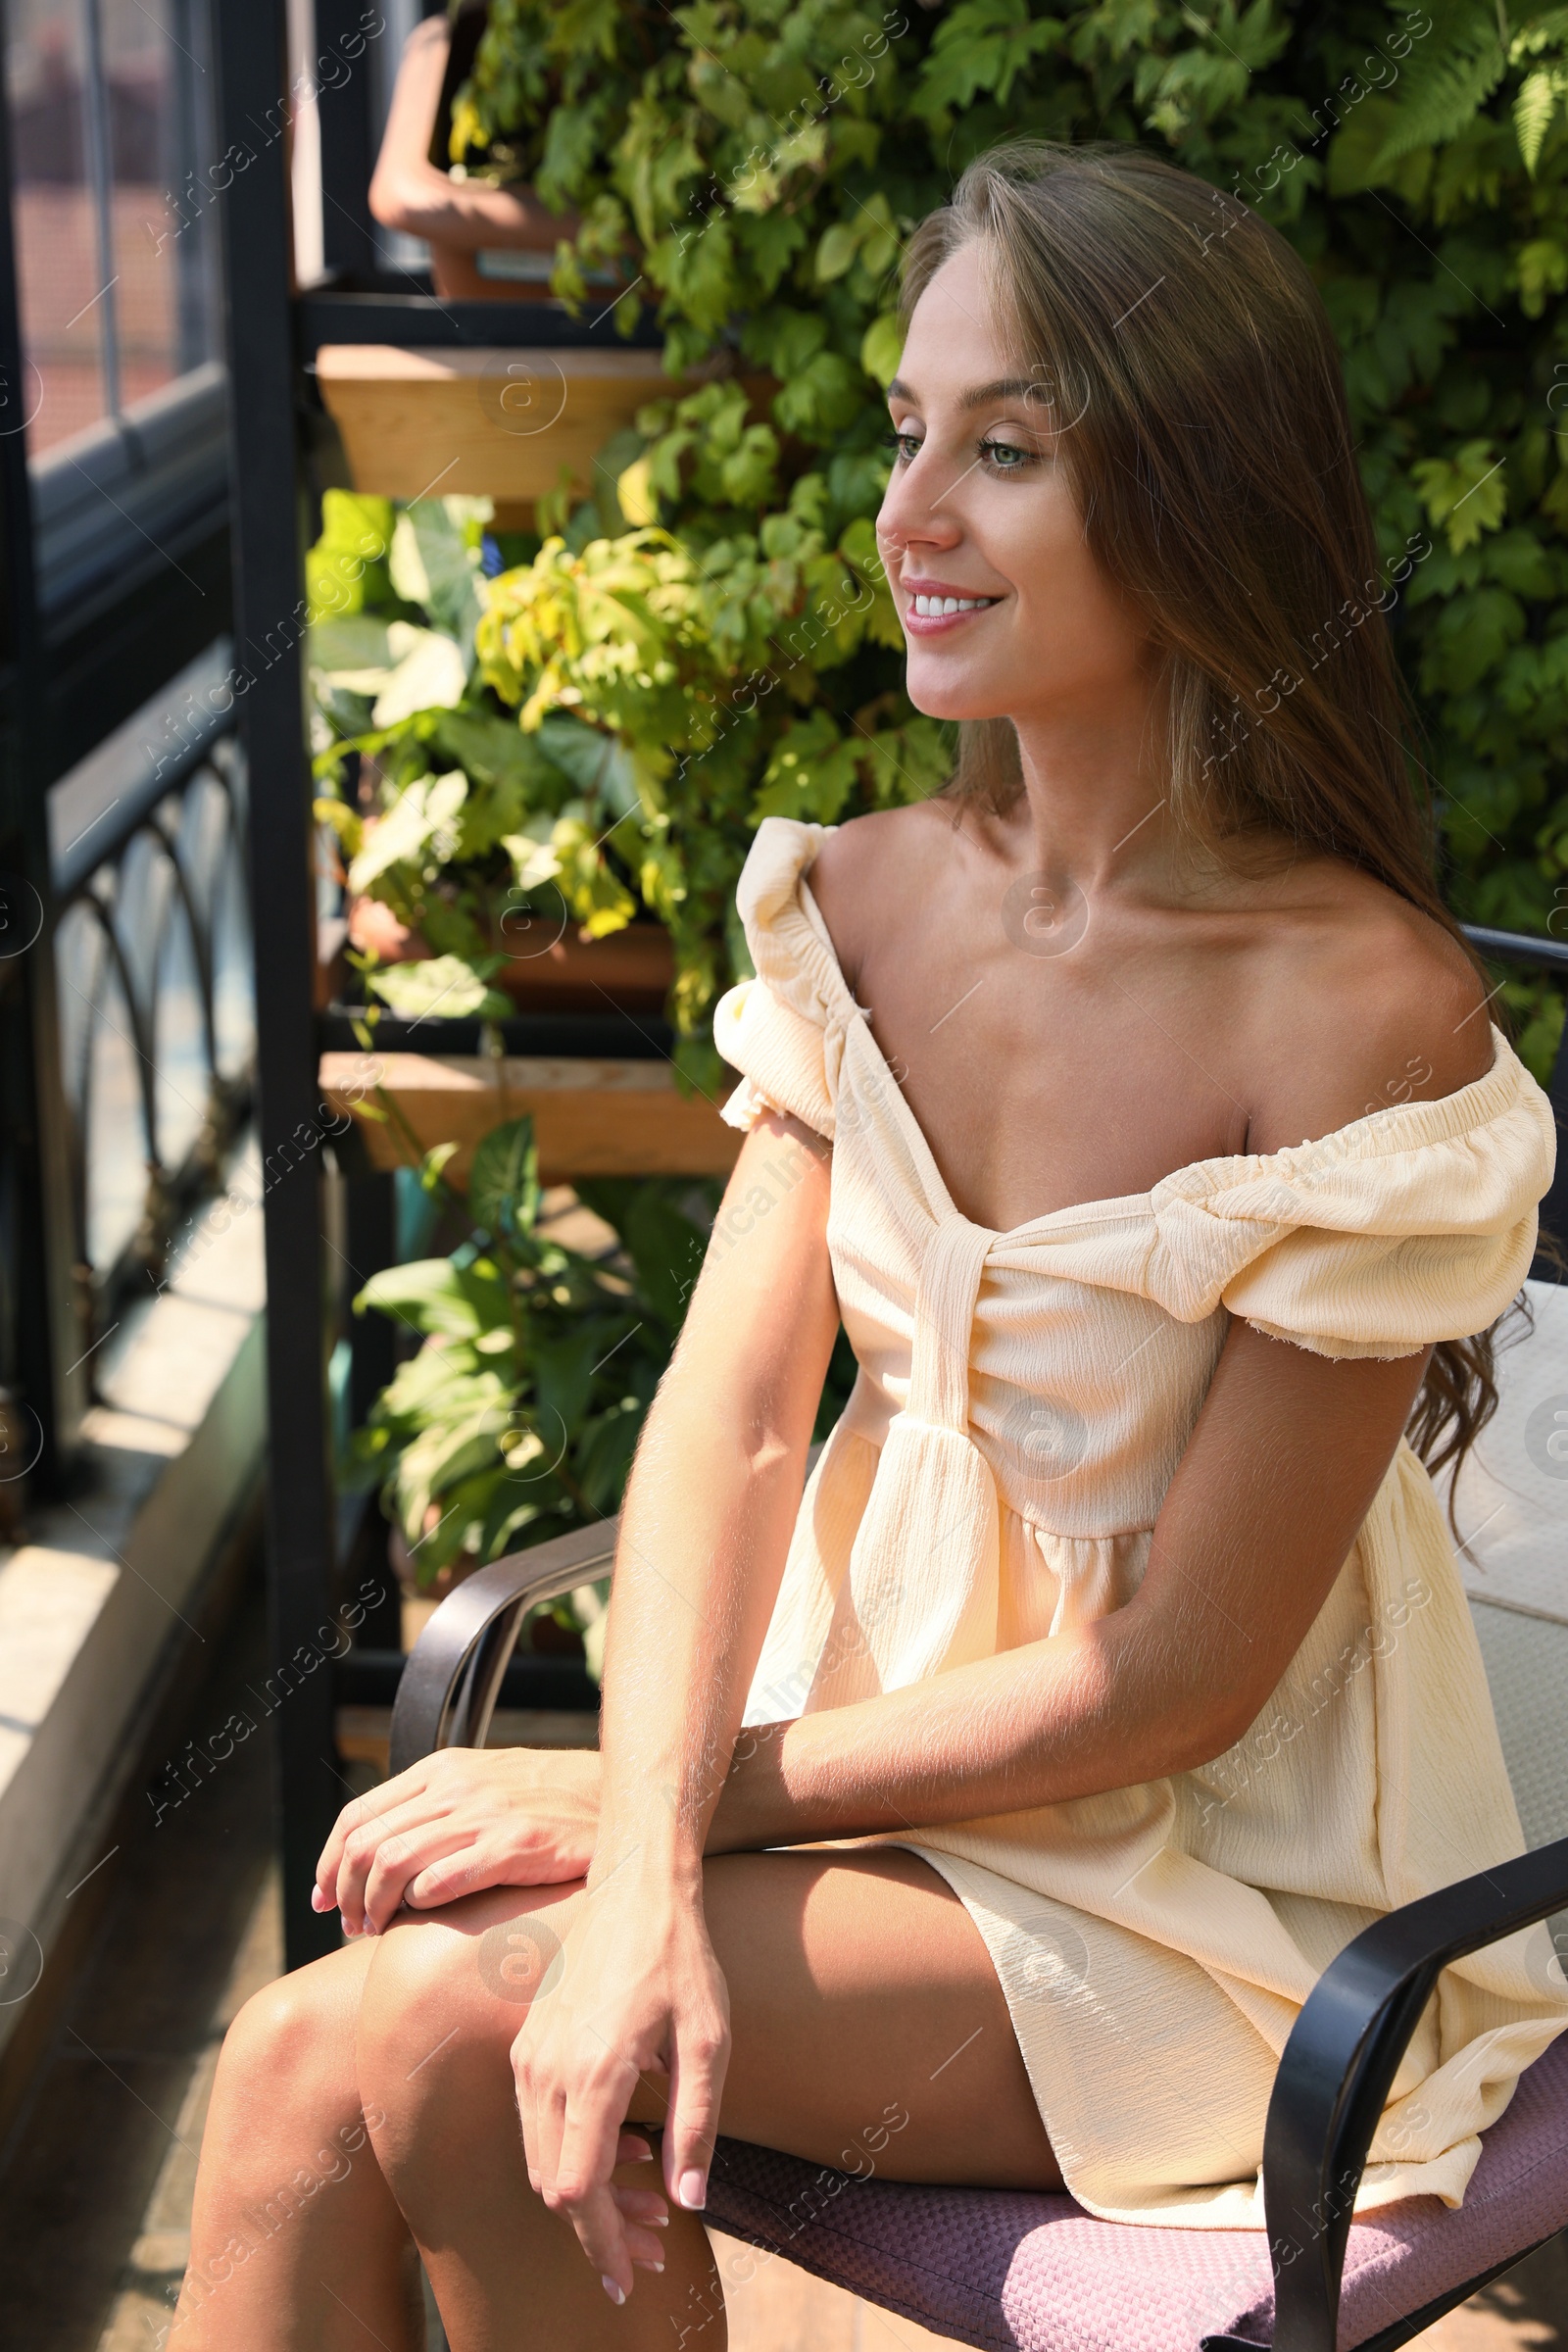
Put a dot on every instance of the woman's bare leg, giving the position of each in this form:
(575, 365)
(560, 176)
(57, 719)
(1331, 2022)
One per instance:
(297, 2245)
(869, 2034)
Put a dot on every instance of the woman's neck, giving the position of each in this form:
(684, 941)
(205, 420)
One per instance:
(1096, 809)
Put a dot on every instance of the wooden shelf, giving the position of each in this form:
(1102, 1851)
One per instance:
(591, 1118)
(497, 422)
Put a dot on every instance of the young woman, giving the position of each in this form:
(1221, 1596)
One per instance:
(996, 1805)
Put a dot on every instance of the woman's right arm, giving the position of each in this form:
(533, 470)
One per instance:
(711, 1502)
(704, 1535)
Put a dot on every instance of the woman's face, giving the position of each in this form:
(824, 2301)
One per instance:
(979, 508)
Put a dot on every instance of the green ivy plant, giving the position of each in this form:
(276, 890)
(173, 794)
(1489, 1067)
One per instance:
(518, 1416)
(755, 165)
(594, 734)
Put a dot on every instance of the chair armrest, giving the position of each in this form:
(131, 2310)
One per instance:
(1343, 2054)
(447, 1689)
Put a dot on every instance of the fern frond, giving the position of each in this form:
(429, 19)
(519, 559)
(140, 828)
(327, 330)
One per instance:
(1549, 31)
(1448, 78)
(1533, 110)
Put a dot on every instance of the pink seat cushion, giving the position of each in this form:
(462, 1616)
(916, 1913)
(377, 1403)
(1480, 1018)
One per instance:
(1038, 2274)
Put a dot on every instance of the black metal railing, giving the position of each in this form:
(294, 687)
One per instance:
(156, 1007)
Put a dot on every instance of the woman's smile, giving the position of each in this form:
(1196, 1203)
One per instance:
(931, 606)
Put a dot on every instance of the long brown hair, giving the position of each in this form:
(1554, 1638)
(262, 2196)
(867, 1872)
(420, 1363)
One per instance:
(1197, 385)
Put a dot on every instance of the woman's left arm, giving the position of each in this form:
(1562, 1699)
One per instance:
(1289, 1452)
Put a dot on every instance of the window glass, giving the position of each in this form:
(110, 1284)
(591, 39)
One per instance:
(159, 83)
(57, 254)
(111, 103)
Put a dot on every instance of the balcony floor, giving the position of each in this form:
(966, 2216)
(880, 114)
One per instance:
(96, 2180)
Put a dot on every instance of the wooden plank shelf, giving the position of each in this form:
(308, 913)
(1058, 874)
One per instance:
(591, 1118)
(493, 422)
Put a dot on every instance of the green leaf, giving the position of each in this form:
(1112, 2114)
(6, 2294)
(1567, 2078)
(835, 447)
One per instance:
(1467, 495)
(1447, 77)
(810, 776)
(433, 1295)
(442, 986)
(1533, 110)
(983, 45)
(352, 642)
(431, 674)
(346, 568)
(504, 1181)
(666, 1249)
(882, 348)
(435, 563)
(421, 823)
(596, 763)
(562, 1368)
(1541, 267)
(838, 249)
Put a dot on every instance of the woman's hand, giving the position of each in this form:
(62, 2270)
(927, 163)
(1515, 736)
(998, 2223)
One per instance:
(640, 1992)
(459, 1819)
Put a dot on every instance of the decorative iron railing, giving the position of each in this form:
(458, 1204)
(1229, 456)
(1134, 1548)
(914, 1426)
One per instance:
(156, 1004)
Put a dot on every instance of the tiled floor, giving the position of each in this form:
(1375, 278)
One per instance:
(95, 2184)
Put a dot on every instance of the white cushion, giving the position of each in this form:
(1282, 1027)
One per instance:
(1512, 1507)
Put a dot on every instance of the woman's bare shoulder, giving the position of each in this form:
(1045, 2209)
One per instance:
(1362, 1000)
(869, 867)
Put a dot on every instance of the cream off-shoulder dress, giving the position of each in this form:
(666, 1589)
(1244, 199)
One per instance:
(1022, 1401)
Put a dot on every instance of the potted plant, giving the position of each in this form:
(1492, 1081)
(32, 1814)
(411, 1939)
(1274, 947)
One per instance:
(490, 237)
(595, 731)
(518, 1416)
(459, 864)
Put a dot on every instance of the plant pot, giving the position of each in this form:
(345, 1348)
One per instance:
(495, 274)
(629, 971)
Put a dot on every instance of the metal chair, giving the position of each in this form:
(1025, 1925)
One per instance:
(1034, 2272)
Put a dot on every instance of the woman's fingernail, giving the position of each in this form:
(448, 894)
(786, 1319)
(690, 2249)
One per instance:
(660, 2221)
(693, 2192)
(617, 2294)
(644, 2263)
(318, 1900)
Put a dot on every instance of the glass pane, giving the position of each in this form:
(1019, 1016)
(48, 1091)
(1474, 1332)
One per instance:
(159, 84)
(203, 838)
(181, 1048)
(115, 1137)
(115, 239)
(58, 261)
(233, 987)
(141, 899)
(78, 955)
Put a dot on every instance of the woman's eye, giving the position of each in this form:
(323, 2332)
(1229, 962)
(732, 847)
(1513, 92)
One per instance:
(1002, 457)
(1006, 457)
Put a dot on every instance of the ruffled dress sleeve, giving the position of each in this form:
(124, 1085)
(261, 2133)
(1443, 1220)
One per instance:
(1413, 1225)
(783, 1030)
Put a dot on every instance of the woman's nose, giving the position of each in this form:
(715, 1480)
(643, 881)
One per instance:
(918, 507)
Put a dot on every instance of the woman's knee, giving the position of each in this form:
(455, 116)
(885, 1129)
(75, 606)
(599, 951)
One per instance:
(444, 1998)
(292, 2032)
